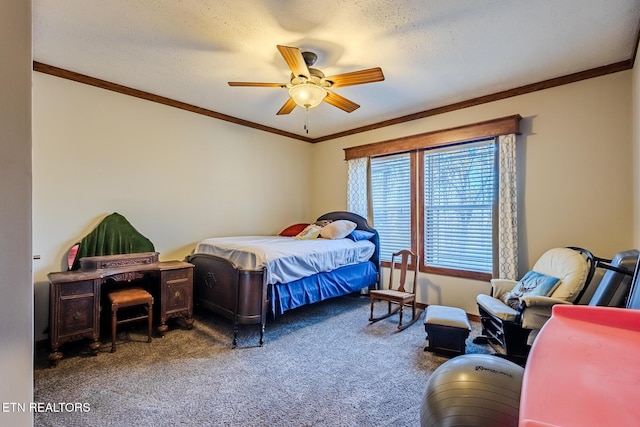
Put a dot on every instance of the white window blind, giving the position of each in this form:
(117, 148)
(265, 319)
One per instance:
(458, 204)
(391, 199)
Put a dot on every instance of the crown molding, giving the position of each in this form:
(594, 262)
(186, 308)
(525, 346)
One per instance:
(546, 84)
(103, 84)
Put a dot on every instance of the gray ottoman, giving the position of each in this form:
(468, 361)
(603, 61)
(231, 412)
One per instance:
(447, 329)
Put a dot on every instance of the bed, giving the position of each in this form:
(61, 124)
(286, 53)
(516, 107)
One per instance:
(241, 279)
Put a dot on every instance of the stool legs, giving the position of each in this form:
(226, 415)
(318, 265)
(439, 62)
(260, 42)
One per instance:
(149, 320)
(114, 323)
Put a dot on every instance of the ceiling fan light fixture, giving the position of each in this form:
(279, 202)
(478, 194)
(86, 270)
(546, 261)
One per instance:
(307, 95)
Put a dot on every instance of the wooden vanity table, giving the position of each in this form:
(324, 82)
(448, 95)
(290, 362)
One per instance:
(75, 296)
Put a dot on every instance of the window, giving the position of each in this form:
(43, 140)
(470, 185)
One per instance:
(437, 193)
(458, 189)
(391, 196)
(456, 196)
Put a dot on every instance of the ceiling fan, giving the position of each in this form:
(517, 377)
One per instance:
(308, 87)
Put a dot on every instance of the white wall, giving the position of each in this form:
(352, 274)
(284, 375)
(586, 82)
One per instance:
(178, 177)
(576, 173)
(16, 304)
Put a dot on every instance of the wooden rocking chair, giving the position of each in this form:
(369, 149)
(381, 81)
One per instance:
(400, 296)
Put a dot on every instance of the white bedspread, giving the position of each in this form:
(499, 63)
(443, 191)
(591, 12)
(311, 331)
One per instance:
(285, 258)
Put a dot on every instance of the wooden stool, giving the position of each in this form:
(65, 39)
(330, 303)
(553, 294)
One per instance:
(447, 329)
(130, 297)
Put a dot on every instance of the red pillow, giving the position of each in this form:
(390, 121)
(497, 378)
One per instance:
(293, 230)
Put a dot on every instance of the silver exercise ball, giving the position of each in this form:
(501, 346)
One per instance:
(473, 390)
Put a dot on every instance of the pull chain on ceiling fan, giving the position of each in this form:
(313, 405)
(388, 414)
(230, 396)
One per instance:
(308, 87)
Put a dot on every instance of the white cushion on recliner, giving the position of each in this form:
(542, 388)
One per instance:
(570, 266)
(496, 307)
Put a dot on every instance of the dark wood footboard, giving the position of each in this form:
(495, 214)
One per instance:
(239, 295)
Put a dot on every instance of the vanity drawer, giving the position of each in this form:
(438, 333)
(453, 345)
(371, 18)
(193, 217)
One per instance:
(76, 316)
(76, 288)
(177, 289)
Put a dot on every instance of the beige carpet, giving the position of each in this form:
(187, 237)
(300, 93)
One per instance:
(321, 365)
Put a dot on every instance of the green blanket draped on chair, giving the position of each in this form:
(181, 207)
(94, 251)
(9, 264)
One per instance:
(114, 235)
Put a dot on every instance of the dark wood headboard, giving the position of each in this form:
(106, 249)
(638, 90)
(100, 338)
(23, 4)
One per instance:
(361, 224)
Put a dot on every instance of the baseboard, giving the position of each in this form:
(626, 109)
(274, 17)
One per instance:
(473, 317)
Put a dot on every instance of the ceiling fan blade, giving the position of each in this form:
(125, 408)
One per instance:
(341, 102)
(369, 75)
(256, 84)
(295, 61)
(287, 107)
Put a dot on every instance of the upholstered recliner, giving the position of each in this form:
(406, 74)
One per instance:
(515, 311)
(614, 278)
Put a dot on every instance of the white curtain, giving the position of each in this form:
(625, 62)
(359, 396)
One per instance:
(357, 186)
(507, 208)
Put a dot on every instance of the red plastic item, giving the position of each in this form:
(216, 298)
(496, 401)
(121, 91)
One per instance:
(584, 369)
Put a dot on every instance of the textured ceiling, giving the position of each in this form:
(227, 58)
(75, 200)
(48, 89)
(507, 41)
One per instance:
(433, 53)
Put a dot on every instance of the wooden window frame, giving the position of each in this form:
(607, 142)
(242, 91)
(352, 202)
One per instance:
(439, 138)
(424, 268)
(416, 144)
